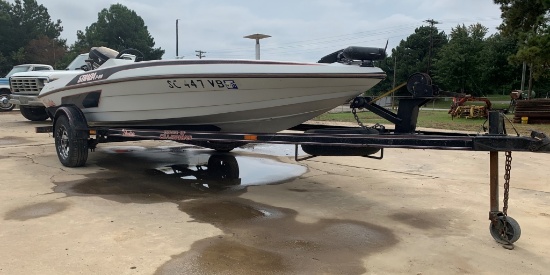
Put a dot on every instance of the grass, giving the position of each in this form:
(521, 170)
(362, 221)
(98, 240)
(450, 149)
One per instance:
(437, 120)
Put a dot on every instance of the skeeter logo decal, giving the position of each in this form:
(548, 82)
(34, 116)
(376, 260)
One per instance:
(89, 77)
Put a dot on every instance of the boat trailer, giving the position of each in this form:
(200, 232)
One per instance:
(74, 138)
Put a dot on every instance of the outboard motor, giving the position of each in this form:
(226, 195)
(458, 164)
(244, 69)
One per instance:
(355, 55)
(98, 56)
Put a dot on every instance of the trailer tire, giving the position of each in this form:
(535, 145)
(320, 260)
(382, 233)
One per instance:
(71, 151)
(34, 113)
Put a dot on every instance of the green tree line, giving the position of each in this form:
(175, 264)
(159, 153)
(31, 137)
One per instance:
(465, 60)
(29, 35)
(468, 60)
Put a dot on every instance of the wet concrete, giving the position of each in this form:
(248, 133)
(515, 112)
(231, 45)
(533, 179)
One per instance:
(150, 175)
(256, 237)
(37, 210)
(263, 239)
(10, 140)
(425, 220)
(304, 225)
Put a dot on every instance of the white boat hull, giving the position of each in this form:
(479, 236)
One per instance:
(252, 100)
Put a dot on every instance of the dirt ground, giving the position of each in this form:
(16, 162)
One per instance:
(125, 212)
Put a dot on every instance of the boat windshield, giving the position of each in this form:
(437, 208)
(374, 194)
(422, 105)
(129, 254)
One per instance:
(77, 63)
(17, 69)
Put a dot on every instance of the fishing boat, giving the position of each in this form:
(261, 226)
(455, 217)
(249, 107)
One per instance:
(220, 95)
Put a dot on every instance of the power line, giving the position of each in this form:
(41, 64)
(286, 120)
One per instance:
(330, 39)
(342, 40)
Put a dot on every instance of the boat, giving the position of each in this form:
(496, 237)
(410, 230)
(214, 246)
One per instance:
(218, 95)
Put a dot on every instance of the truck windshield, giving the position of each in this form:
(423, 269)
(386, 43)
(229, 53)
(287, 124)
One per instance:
(17, 69)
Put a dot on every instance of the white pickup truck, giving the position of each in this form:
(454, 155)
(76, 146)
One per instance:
(5, 104)
(25, 87)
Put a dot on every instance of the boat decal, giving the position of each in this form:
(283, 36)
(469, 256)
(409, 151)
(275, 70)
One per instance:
(84, 100)
(175, 135)
(89, 77)
(231, 85)
(128, 133)
(200, 83)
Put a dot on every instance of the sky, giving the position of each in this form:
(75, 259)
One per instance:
(300, 30)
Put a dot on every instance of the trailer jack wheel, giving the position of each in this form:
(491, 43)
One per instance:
(71, 151)
(505, 230)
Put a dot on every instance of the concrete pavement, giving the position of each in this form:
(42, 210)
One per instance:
(414, 212)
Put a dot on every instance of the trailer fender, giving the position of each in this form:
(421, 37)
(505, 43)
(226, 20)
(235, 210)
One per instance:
(77, 120)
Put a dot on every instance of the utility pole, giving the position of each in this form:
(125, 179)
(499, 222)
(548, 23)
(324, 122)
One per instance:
(522, 87)
(432, 23)
(200, 54)
(394, 78)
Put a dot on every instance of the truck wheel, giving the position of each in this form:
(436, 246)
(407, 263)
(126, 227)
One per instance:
(34, 113)
(71, 151)
(5, 105)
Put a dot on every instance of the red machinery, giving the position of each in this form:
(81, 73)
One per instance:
(459, 109)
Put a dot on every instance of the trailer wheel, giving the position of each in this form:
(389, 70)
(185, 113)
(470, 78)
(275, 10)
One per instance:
(513, 231)
(71, 151)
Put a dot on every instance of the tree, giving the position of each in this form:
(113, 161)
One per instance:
(457, 65)
(21, 23)
(497, 73)
(118, 28)
(45, 50)
(6, 34)
(529, 22)
(412, 56)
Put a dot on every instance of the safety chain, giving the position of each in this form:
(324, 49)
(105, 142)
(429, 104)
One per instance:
(354, 112)
(377, 126)
(507, 169)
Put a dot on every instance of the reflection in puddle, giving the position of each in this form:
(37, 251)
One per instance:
(227, 170)
(271, 149)
(175, 173)
(205, 168)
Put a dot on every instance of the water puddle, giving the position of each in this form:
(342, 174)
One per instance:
(263, 239)
(257, 238)
(271, 149)
(34, 211)
(205, 168)
(176, 173)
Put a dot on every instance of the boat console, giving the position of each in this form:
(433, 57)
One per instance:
(99, 55)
